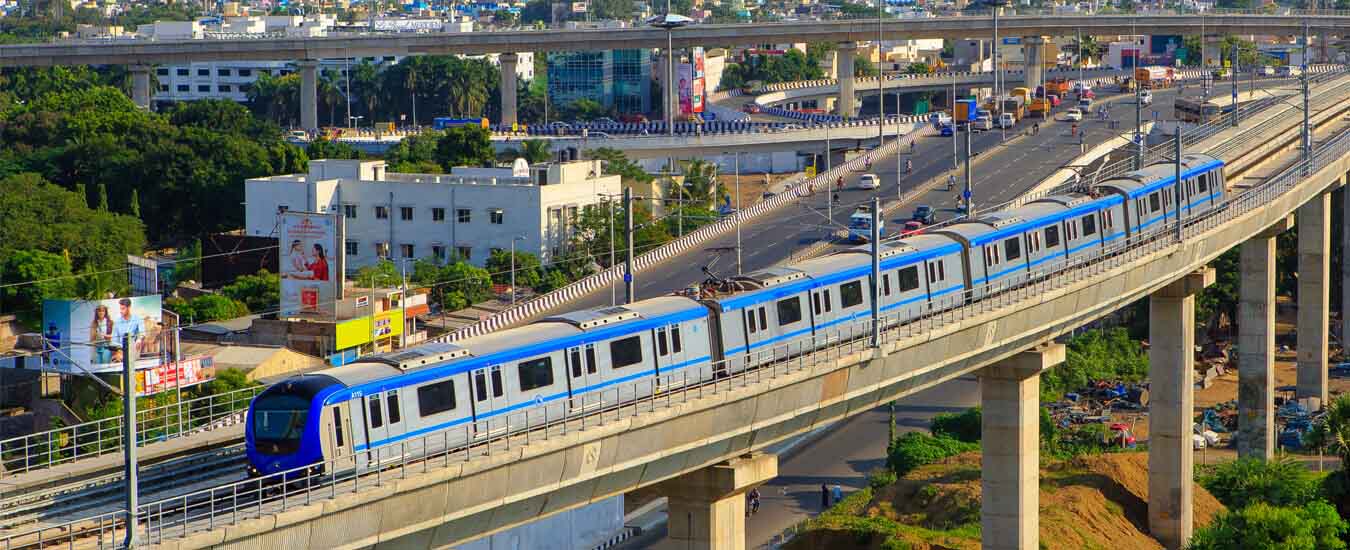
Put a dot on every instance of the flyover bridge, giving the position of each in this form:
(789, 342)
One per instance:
(699, 441)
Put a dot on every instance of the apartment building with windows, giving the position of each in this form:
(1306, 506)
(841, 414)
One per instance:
(467, 213)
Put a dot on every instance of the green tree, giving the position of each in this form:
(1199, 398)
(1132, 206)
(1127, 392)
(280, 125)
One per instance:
(584, 110)
(1315, 526)
(135, 206)
(616, 163)
(963, 426)
(415, 154)
(37, 215)
(465, 146)
(222, 115)
(329, 149)
(276, 98)
(1246, 481)
(189, 266)
(206, 308)
(1096, 355)
(102, 198)
(40, 275)
(700, 189)
(383, 274)
(536, 150)
(527, 266)
(914, 449)
(864, 67)
(260, 292)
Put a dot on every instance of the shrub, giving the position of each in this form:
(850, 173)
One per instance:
(1247, 481)
(962, 426)
(1315, 526)
(913, 450)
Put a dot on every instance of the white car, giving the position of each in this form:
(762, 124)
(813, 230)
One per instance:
(985, 122)
(1145, 97)
(1006, 120)
(1074, 115)
(869, 181)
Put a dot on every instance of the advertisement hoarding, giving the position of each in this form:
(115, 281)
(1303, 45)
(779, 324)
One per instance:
(86, 336)
(309, 264)
(685, 74)
(359, 331)
(169, 376)
(698, 58)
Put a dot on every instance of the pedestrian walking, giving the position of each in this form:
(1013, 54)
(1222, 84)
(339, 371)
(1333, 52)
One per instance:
(909, 166)
(911, 146)
(951, 181)
(824, 496)
(837, 492)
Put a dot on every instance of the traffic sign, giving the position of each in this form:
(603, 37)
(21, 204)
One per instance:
(965, 194)
(627, 277)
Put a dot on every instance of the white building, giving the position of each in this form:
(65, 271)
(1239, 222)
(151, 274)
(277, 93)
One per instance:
(469, 212)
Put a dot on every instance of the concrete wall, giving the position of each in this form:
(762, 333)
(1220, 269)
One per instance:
(578, 529)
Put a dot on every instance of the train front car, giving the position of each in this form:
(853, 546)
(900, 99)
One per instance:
(281, 431)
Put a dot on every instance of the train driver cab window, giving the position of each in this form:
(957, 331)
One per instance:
(279, 421)
(535, 373)
(1089, 225)
(850, 294)
(1052, 236)
(1012, 249)
(625, 352)
(436, 398)
(789, 311)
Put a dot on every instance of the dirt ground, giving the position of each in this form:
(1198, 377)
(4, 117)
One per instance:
(753, 186)
(1089, 502)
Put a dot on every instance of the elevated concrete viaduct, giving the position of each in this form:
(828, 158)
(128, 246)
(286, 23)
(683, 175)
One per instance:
(716, 428)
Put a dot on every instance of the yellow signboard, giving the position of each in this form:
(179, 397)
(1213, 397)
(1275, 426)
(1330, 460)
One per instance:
(811, 171)
(362, 330)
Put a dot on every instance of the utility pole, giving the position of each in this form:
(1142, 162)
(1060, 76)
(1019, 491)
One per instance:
(1176, 153)
(968, 194)
(1307, 124)
(129, 437)
(610, 199)
(881, 90)
(899, 189)
(876, 272)
(1139, 126)
(1232, 77)
(628, 263)
(739, 266)
(829, 185)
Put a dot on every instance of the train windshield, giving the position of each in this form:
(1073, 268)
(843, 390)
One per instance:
(279, 421)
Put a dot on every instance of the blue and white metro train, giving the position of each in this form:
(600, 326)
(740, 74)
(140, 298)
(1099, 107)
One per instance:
(572, 363)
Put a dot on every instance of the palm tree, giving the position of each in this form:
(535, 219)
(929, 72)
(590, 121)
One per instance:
(1088, 49)
(535, 150)
(1332, 433)
(331, 94)
(700, 183)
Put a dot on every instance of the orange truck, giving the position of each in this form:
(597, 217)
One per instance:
(1155, 77)
(1058, 86)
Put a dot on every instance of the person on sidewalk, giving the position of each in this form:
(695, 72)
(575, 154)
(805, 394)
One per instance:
(824, 497)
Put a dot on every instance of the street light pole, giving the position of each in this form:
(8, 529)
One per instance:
(1232, 77)
(969, 193)
(628, 263)
(1307, 125)
(129, 437)
(829, 189)
(881, 87)
(1138, 126)
(739, 265)
(610, 200)
(876, 272)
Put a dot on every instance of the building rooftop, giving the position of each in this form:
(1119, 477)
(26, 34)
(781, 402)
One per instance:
(376, 171)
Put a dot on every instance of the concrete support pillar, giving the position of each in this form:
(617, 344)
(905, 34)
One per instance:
(1256, 344)
(1010, 393)
(1345, 264)
(1210, 56)
(1033, 50)
(1323, 47)
(508, 65)
(707, 506)
(1171, 463)
(140, 85)
(1314, 301)
(843, 67)
(309, 94)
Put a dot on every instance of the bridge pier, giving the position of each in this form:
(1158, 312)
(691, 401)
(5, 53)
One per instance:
(1171, 461)
(707, 506)
(1314, 302)
(1256, 344)
(1010, 393)
(1345, 261)
(140, 85)
(1033, 49)
(843, 68)
(507, 61)
(309, 94)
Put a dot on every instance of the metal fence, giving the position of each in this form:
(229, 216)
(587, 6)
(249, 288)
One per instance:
(229, 504)
(27, 453)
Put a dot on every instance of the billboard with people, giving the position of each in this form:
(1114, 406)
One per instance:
(85, 336)
(309, 266)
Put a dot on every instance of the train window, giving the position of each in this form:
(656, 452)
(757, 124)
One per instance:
(662, 349)
(932, 275)
(625, 352)
(675, 339)
(496, 381)
(1012, 249)
(535, 373)
(1052, 236)
(908, 278)
(391, 403)
(376, 417)
(479, 385)
(850, 294)
(942, 270)
(1089, 225)
(1153, 203)
(575, 358)
(337, 425)
(886, 284)
(815, 303)
(789, 311)
(590, 358)
(750, 322)
(827, 299)
(438, 397)
(763, 322)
